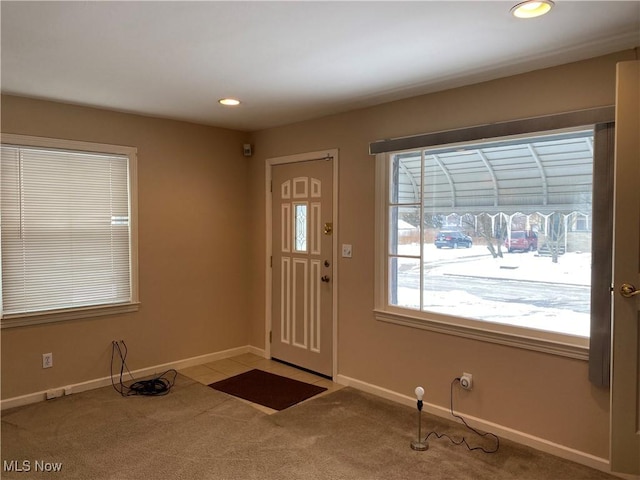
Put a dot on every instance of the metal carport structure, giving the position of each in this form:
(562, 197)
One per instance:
(547, 176)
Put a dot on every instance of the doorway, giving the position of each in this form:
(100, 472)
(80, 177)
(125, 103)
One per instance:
(301, 276)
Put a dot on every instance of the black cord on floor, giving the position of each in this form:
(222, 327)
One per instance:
(463, 441)
(156, 386)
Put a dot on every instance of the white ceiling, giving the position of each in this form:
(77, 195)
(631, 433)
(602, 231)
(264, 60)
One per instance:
(286, 61)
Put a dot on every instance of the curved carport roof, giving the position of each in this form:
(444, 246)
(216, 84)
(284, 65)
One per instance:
(528, 175)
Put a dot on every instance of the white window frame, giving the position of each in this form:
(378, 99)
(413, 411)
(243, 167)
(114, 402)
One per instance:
(34, 318)
(548, 342)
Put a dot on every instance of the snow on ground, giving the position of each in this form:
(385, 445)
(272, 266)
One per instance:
(573, 268)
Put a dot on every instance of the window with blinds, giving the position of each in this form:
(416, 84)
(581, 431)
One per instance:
(66, 230)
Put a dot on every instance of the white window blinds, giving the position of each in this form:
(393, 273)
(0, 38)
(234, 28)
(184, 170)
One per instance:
(66, 229)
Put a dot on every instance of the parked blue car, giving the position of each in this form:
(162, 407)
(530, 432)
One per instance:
(453, 239)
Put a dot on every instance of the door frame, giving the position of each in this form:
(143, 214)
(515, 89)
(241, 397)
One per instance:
(298, 158)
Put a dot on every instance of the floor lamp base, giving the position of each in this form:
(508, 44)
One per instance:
(419, 446)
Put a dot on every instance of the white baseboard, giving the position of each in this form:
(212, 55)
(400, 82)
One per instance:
(143, 372)
(541, 444)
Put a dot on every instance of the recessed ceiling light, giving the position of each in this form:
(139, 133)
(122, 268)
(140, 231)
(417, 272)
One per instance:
(531, 8)
(229, 101)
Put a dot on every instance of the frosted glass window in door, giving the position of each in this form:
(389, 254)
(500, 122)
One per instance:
(300, 222)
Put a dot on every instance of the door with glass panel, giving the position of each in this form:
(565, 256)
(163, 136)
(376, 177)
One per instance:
(302, 256)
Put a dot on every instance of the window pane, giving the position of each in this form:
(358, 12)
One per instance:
(404, 231)
(300, 222)
(507, 232)
(404, 285)
(405, 178)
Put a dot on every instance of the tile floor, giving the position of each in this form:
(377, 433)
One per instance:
(211, 372)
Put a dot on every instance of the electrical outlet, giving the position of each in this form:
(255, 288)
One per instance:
(466, 381)
(47, 360)
(347, 250)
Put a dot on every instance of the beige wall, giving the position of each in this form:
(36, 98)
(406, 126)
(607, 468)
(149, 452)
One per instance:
(539, 394)
(193, 213)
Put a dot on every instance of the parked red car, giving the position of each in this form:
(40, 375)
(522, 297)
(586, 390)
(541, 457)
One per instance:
(521, 240)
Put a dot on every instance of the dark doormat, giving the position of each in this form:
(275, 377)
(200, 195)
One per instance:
(268, 389)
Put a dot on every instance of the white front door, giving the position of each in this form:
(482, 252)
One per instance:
(625, 373)
(302, 264)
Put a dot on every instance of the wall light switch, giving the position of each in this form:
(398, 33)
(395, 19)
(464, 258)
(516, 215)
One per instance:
(346, 250)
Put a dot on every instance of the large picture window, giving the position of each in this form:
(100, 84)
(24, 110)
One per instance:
(491, 238)
(67, 230)
(495, 231)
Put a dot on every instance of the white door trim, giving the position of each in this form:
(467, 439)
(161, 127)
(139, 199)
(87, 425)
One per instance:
(301, 157)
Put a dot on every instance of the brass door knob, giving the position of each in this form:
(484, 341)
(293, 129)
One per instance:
(627, 290)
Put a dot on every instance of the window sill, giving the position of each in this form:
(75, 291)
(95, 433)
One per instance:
(554, 344)
(22, 320)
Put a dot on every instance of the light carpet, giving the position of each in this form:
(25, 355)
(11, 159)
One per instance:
(196, 432)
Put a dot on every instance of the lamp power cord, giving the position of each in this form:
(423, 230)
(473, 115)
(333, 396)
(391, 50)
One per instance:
(157, 386)
(463, 441)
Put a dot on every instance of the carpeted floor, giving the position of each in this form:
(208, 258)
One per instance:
(196, 432)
